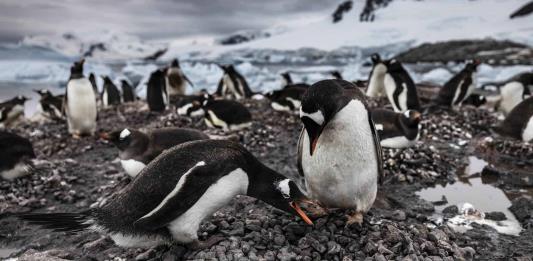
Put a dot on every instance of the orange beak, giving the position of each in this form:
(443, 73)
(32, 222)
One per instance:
(300, 212)
(313, 145)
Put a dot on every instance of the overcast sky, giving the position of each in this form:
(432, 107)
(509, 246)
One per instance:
(153, 19)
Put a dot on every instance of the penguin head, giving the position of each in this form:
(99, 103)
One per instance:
(375, 58)
(125, 84)
(125, 138)
(175, 63)
(336, 74)
(286, 76)
(411, 118)
(285, 195)
(76, 69)
(20, 99)
(471, 66)
(393, 65)
(43, 92)
(320, 103)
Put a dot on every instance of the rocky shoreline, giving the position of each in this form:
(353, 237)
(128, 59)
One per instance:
(75, 174)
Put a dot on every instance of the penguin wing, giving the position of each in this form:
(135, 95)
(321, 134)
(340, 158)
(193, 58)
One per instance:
(377, 144)
(220, 86)
(187, 79)
(189, 189)
(300, 149)
(463, 88)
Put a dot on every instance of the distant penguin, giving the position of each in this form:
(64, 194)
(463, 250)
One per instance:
(336, 75)
(128, 94)
(137, 149)
(92, 79)
(475, 100)
(168, 201)
(80, 103)
(191, 105)
(397, 130)
(16, 153)
(456, 90)
(232, 84)
(51, 105)
(12, 111)
(515, 91)
(376, 79)
(110, 93)
(400, 88)
(286, 79)
(176, 79)
(287, 99)
(519, 123)
(339, 154)
(227, 115)
(156, 93)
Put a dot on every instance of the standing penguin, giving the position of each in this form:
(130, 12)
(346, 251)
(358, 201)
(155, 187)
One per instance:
(12, 111)
(128, 94)
(16, 153)
(397, 130)
(156, 93)
(51, 105)
(456, 90)
(376, 79)
(515, 91)
(176, 79)
(110, 93)
(519, 123)
(80, 103)
(400, 88)
(339, 154)
(232, 84)
(137, 149)
(171, 197)
(226, 115)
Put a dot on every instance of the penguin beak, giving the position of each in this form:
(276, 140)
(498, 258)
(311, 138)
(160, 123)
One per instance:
(313, 131)
(301, 213)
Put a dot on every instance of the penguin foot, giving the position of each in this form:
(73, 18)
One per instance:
(356, 218)
(76, 136)
(198, 245)
(315, 209)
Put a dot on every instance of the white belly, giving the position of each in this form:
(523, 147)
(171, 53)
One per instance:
(20, 169)
(184, 228)
(81, 107)
(511, 94)
(390, 86)
(397, 142)
(343, 169)
(375, 84)
(136, 241)
(527, 135)
(230, 86)
(132, 167)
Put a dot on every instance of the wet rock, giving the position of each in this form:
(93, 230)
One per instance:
(496, 216)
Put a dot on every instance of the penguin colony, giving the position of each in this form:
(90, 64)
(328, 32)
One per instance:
(181, 177)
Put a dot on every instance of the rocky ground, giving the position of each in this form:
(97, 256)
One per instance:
(76, 173)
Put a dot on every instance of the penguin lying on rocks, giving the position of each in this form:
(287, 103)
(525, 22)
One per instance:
(190, 105)
(51, 105)
(519, 123)
(226, 115)
(286, 99)
(397, 130)
(171, 197)
(16, 153)
(12, 111)
(137, 149)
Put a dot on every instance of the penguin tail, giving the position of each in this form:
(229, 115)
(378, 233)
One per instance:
(59, 222)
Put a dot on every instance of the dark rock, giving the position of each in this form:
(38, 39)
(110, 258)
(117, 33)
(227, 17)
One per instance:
(496, 216)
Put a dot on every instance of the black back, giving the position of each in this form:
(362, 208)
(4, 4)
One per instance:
(51, 104)
(14, 149)
(395, 124)
(7, 106)
(231, 112)
(236, 78)
(113, 95)
(156, 92)
(128, 95)
(515, 123)
(401, 77)
(294, 92)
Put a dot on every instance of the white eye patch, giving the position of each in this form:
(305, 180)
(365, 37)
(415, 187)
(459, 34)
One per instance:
(316, 116)
(406, 113)
(125, 133)
(283, 186)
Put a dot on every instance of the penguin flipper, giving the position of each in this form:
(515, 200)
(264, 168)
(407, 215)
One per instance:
(188, 80)
(196, 182)
(379, 152)
(300, 149)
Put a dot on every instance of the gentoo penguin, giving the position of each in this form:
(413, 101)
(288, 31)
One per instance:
(137, 149)
(286, 99)
(475, 100)
(232, 84)
(336, 75)
(16, 153)
(519, 123)
(456, 90)
(92, 79)
(128, 94)
(156, 93)
(515, 91)
(376, 79)
(12, 111)
(80, 103)
(176, 79)
(397, 130)
(286, 79)
(226, 115)
(339, 154)
(400, 88)
(51, 105)
(110, 93)
(191, 105)
(171, 197)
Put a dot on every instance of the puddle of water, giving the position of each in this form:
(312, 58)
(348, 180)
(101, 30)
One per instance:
(484, 198)
(5, 252)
